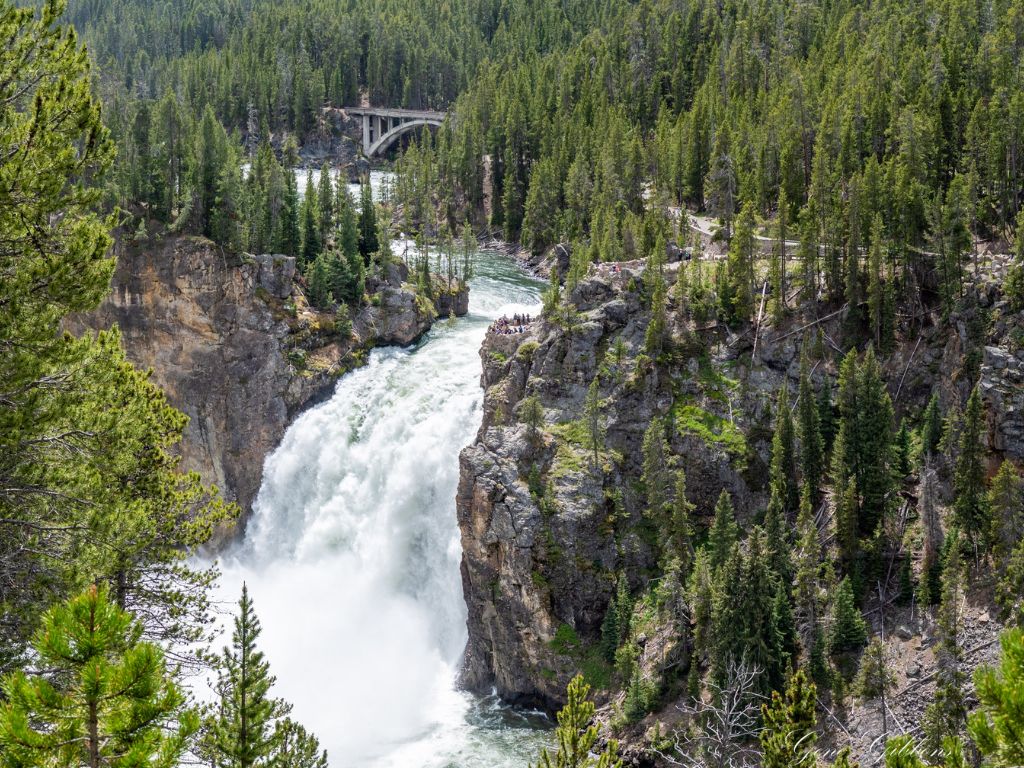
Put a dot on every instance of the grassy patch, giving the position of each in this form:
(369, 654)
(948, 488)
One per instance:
(573, 453)
(565, 641)
(711, 428)
(595, 670)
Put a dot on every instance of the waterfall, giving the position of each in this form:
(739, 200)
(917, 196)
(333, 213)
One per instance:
(352, 554)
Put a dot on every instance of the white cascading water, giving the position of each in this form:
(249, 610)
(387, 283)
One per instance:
(352, 555)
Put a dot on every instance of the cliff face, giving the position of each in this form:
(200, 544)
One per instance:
(234, 344)
(546, 529)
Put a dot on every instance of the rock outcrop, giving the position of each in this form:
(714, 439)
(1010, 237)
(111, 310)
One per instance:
(233, 342)
(547, 528)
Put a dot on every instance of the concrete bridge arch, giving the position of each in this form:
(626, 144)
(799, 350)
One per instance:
(383, 127)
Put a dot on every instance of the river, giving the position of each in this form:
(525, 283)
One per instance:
(352, 555)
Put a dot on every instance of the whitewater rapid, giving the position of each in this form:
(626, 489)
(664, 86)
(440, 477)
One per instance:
(352, 555)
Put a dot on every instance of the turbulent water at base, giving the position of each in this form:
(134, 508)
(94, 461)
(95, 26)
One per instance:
(352, 555)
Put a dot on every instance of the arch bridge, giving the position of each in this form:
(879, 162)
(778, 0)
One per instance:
(382, 126)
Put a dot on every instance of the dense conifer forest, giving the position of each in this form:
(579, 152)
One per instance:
(768, 162)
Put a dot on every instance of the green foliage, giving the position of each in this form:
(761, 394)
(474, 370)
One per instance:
(931, 427)
(680, 528)
(969, 506)
(724, 532)
(782, 479)
(89, 487)
(812, 449)
(106, 698)
(1006, 505)
(1010, 587)
(711, 428)
(655, 472)
(249, 728)
(945, 716)
(849, 631)
(862, 455)
(576, 735)
(565, 641)
(369, 243)
(243, 733)
(297, 748)
(875, 678)
(788, 737)
(997, 728)
(640, 696)
(532, 414)
(750, 621)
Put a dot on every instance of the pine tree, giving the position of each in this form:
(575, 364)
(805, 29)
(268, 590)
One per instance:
(946, 715)
(738, 297)
(806, 569)
(680, 539)
(532, 414)
(319, 286)
(901, 450)
(635, 705)
(311, 243)
(826, 421)
(849, 631)
(654, 336)
(655, 477)
(701, 597)
(243, 731)
(623, 608)
(107, 699)
(873, 444)
(767, 630)
(881, 328)
(369, 243)
(576, 736)
(325, 198)
(931, 428)
(289, 239)
(969, 506)
(726, 634)
(931, 562)
(812, 460)
(89, 487)
(788, 737)
(610, 631)
(724, 532)
(1006, 505)
(875, 678)
(782, 477)
(997, 726)
(348, 228)
(297, 748)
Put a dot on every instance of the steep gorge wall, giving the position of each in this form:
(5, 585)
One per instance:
(232, 341)
(545, 533)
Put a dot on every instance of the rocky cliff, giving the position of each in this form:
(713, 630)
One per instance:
(233, 342)
(547, 527)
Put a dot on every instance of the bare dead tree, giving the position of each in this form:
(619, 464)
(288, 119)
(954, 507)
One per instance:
(721, 732)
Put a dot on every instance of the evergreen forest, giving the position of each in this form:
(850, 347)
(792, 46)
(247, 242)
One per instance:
(741, 510)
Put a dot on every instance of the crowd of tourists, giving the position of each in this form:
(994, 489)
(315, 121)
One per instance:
(508, 326)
